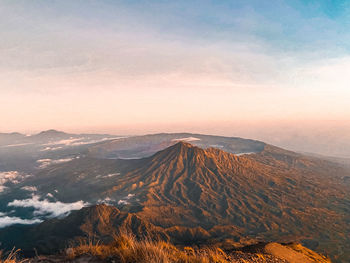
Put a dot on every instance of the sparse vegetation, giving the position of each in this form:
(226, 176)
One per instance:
(127, 249)
(11, 257)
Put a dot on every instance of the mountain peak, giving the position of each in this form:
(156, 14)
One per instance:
(12, 134)
(51, 133)
(184, 144)
(181, 148)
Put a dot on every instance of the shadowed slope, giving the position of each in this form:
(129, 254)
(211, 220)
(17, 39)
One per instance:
(102, 233)
(99, 223)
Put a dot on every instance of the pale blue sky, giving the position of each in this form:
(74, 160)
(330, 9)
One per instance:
(145, 66)
(299, 30)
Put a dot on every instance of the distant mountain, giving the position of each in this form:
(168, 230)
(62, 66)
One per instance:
(16, 139)
(20, 153)
(11, 135)
(10, 138)
(340, 160)
(201, 195)
(144, 146)
(51, 134)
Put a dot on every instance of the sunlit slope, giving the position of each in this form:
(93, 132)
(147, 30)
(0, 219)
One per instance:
(275, 195)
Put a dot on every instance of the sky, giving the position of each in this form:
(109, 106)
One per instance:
(275, 70)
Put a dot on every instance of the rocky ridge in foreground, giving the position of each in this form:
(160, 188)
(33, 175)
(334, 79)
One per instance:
(102, 233)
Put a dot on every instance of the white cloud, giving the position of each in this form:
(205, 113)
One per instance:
(65, 141)
(107, 176)
(107, 201)
(216, 146)
(79, 141)
(129, 196)
(187, 139)
(7, 221)
(125, 200)
(11, 177)
(47, 162)
(15, 145)
(43, 207)
(29, 188)
(51, 148)
(93, 141)
(247, 153)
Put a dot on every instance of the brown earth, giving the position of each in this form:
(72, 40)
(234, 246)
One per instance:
(197, 196)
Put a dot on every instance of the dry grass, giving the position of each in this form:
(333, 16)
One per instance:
(309, 253)
(12, 257)
(126, 249)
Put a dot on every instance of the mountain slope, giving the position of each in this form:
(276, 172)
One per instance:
(271, 191)
(98, 222)
(275, 194)
(209, 195)
(106, 226)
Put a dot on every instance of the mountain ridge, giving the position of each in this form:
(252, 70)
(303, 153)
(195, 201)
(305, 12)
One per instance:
(106, 224)
(206, 195)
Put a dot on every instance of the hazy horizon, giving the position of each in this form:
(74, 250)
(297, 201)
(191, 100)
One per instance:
(275, 71)
(306, 138)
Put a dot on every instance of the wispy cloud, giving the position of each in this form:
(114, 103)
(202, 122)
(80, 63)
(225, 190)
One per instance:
(15, 145)
(46, 207)
(187, 139)
(43, 163)
(222, 61)
(107, 176)
(126, 199)
(74, 142)
(7, 221)
(51, 148)
(13, 177)
(29, 188)
(107, 200)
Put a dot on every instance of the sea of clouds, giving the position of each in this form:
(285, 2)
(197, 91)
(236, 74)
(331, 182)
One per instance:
(43, 163)
(43, 208)
(11, 220)
(76, 142)
(13, 177)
